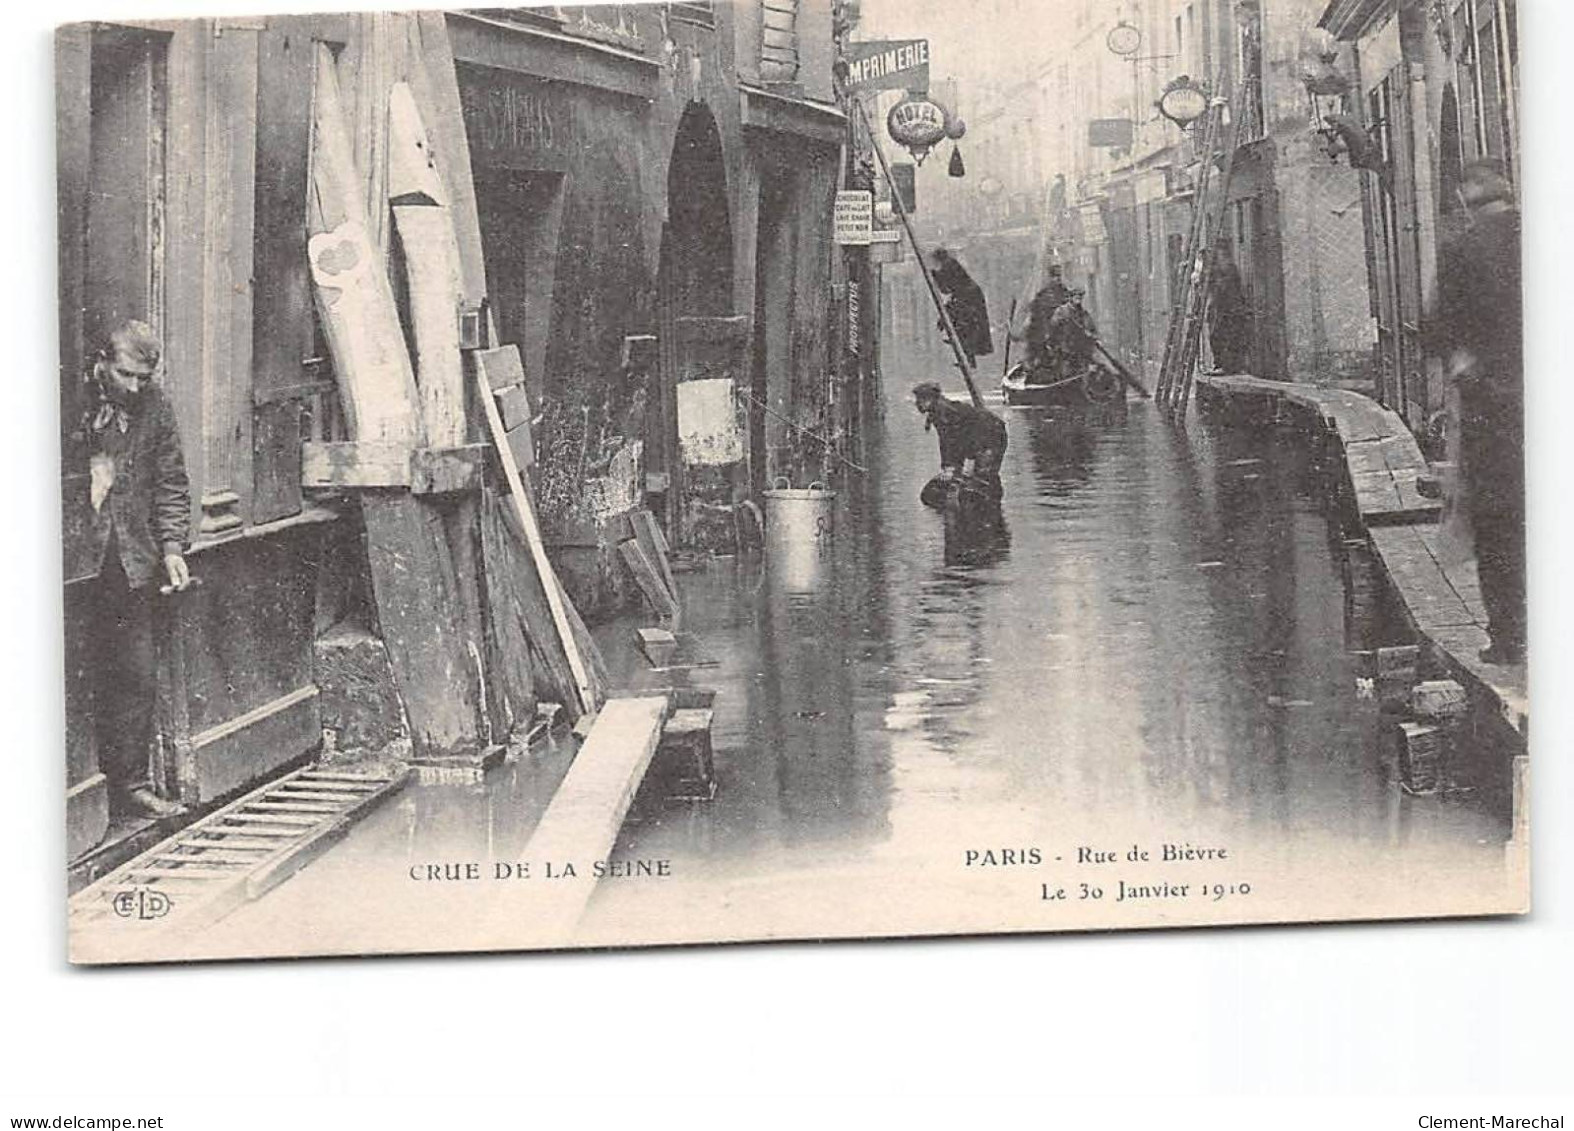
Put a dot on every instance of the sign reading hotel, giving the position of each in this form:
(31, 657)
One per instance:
(888, 64)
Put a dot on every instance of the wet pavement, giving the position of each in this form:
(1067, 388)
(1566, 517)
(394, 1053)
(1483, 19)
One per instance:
(1153, 646)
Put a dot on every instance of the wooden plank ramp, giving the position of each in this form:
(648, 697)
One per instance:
(1442, 599)
(581, 824)
(562, 612)
(231, 856)
(650, 582)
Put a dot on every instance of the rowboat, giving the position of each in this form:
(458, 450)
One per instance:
(1028, 387)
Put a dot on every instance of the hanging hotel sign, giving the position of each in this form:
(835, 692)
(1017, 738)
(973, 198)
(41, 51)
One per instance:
(917, 123)
(888, 64)
(854, 217)
(1183, 101)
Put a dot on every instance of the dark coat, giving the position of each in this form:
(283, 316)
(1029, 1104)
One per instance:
(1042, 309)
(969, 312)
(966, 432)
(1479, 308)
(1229, 319)
(148, 508)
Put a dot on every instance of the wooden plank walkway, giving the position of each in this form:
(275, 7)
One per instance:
(1381, 455)
(1443, 599)
(1439, 589)
(581, 824)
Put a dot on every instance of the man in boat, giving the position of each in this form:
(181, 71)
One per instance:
(972, 440)
(141, 504)
(965, 305)
(1040, 312)
(1071, 335)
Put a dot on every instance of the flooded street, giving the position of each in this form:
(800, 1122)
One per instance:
(1151, 650)
(1155, 639)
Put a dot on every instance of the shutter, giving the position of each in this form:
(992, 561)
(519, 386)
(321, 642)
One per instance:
(282, 317)
(778, 40)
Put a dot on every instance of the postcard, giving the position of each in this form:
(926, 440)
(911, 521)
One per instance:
(673, 473)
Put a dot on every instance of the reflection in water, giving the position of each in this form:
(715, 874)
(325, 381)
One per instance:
(976, 536)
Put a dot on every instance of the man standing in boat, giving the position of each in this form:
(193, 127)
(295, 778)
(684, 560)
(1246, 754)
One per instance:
(1040, 312)
(965, 305)
(1071, 334)
(968, 436)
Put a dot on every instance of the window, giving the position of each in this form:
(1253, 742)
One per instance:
(1486, 78)
(778, 40)
(703, 14)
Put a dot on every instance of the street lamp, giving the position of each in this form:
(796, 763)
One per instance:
(1125, 40)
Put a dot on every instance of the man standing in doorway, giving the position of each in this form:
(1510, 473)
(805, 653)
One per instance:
(142, 502)
(1229, 316)
(1477, 327)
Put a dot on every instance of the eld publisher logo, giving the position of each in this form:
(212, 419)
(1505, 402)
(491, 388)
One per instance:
(141, 903)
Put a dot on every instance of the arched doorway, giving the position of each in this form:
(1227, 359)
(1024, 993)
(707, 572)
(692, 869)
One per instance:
(703, 344)
(699, 224)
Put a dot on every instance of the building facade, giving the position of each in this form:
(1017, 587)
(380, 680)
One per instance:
(641, 198)
(1436, 86)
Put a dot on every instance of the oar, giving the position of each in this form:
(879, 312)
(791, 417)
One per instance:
(1005, 366)
(1120, 370)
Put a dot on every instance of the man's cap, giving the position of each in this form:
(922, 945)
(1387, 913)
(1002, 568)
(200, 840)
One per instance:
(927, 391)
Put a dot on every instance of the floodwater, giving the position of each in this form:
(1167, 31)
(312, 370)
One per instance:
(1155, 645)
(1152, 647)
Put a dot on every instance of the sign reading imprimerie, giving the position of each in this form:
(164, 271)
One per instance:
(891, 64)
(800, 622)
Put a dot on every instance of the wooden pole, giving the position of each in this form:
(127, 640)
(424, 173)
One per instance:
(923, 265)
(431, 251)
(376, 384)
(419, 603)
(1005, 364)
(1120, 370)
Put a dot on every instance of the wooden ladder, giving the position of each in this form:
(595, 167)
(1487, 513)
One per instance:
(232, 856)
(1183, 339)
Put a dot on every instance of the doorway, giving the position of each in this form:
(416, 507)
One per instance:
(124, 275)
(519, 215)
(703, 346)
(770, 378)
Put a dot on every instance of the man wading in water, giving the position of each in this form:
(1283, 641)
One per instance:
(967, 435)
